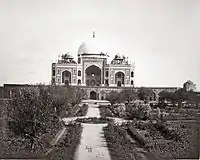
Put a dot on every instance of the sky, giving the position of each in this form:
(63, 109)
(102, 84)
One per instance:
(162, 37)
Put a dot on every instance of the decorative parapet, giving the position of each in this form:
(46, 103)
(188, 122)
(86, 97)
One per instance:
(120, 60)
(66, 59)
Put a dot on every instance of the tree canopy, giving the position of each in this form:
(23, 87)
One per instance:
(144, 93)
(125, 95)
(180, 96)
(38, 109)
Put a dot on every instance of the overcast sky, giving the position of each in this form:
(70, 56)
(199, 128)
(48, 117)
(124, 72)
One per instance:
(162, 37)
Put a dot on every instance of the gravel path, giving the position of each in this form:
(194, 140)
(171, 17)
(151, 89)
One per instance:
(93, 144)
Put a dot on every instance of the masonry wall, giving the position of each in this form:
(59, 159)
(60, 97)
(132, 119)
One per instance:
(10, 91)
(103, 91)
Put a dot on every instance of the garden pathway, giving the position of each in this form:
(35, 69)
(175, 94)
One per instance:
(93, 144)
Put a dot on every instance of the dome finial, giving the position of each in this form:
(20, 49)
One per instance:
(93, 34)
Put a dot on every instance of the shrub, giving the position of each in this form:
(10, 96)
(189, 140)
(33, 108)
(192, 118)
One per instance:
(139, 111)
(125, 95)
(105, 111)
(37, 110)
(66, 147)
(83, 110)
(113, 97)
(167, 133)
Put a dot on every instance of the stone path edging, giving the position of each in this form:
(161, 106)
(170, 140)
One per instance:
(56, 139)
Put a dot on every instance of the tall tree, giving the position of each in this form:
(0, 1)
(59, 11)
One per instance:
(38, 109)
(145, 93)
(113, 97)
(128, 95)
(32, 114)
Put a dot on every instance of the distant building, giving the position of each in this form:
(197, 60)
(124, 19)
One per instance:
(189, 86)
(93, 73)
(92, 69)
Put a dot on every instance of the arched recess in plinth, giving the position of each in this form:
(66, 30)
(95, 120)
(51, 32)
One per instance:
(119, 78)
(93, 76)
(79, 82)
(66, 77)
(93, 95)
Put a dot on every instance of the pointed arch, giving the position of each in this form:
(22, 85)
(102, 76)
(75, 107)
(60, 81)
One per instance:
(66, 77)
(119, 78)
(93, 76)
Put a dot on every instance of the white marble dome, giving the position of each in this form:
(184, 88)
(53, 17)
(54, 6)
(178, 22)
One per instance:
(90, 46)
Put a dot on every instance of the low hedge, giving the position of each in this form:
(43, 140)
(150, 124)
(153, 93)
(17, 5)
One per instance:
(119, 146)
(131, 130)
(93, 120)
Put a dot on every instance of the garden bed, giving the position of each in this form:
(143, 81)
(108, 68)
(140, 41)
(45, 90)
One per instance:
(82, 111)
(66, 147)
(17, 147)
(105, 111)
(120, 145)
(171, 141)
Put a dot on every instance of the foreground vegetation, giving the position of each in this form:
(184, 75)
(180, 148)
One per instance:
(66, 147)
(163, 142)
(167, 130)
(120, 144)
(34, 119)
(179, 140)
(82, 111)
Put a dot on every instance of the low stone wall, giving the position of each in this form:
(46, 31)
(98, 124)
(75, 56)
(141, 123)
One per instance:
(103, 91)
(12, 90)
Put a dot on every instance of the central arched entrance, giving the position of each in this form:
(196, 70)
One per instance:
(93, 95)
(93, 76)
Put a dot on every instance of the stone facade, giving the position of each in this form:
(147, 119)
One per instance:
(94, 74)
(93, 70)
